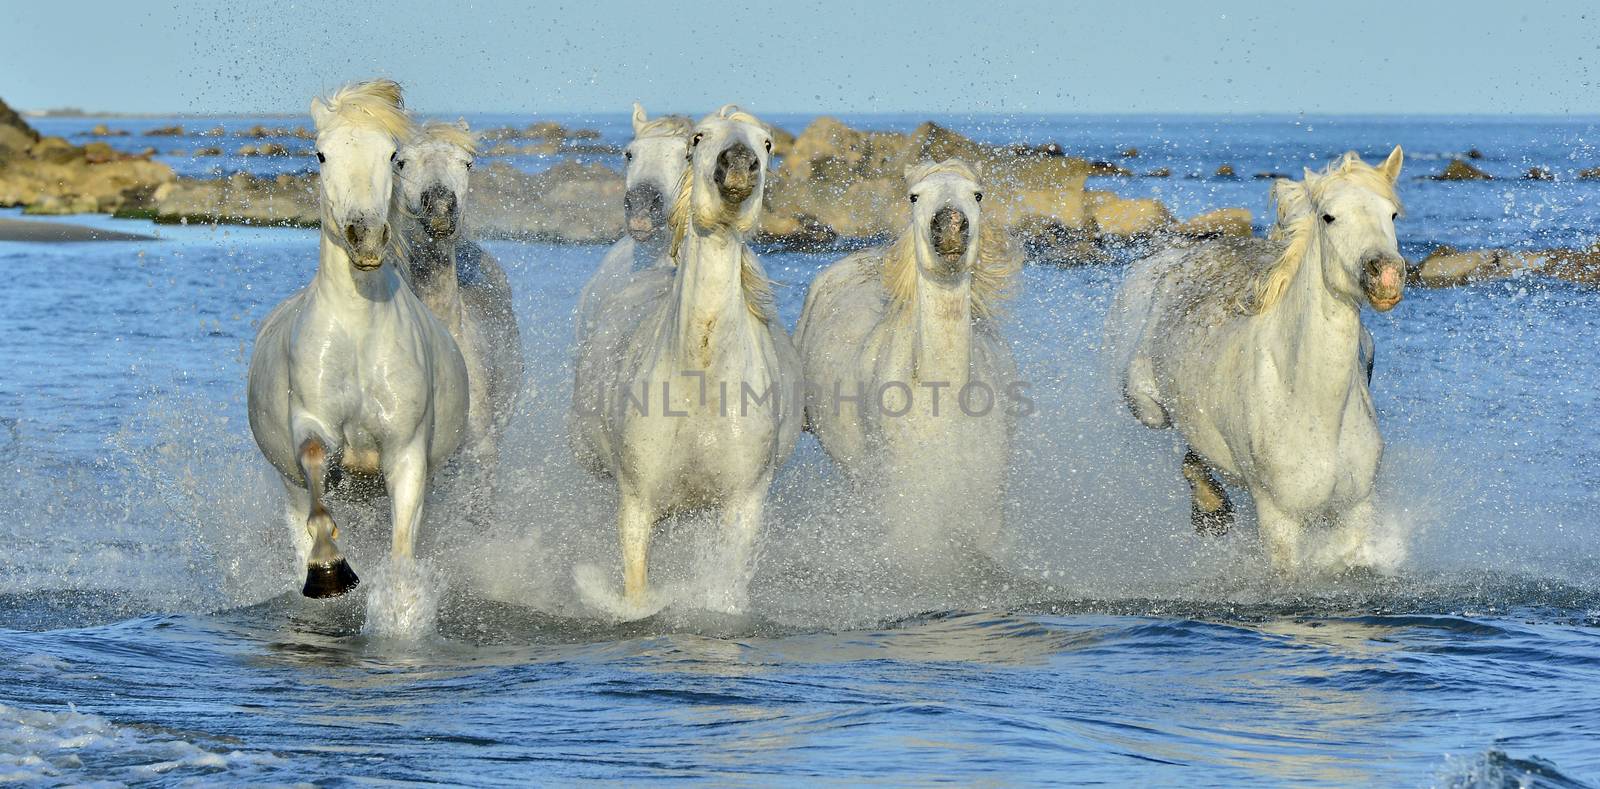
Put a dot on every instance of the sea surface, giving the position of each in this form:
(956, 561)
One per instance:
(151, 628)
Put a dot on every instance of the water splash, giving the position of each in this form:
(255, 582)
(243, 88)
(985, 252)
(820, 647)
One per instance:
(403, 599)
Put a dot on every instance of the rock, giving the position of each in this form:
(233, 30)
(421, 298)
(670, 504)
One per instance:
(287, 200)
(99, 153)
(1159, 172)
(1575, 265)
(210, 150)
(533, 149)
(9, 119)
(1225, 171)
(165, 131)
(214, 131)
(782, 141)
(1223, 222)
(1474, 153)
(1125, 218)
(1589, 173)
(1107, 169)
(1538, 174)
(1130, 153)
(570, 202)
(1447, 266)
(1459, 170)
(583, 134)
(1270, 175)
(61, 205)
(264, 149)
(101, 130)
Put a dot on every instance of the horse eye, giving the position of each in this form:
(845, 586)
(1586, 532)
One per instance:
(400, 165)
(1327, 218)
(627, 156)
(913, 198)
(769, 146)
(469, 164)
(977, 196)
(393, 155)
(1394, 216)
(696, 140)
(322, 159)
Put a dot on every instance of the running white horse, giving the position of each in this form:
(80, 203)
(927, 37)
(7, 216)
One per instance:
(909, 380)
(460, 282)
(353, 374)
(1253, 350)
(654, 164)
(696, 407)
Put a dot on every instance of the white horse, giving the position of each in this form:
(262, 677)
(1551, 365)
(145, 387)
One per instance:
(909, 380)
(653, 168)
(459, 281)
(353, 373)
(696, 405)
(1254, 350)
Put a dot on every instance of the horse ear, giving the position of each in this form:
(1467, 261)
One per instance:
(1291, 200)
(639, 117)
(320, 113)
(461, 123)
(1391, 166)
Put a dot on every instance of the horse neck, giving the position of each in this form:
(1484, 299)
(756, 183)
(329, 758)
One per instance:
(351, 292)
(433, 276)
(708, 293)
(941, 317)
(1312, 334)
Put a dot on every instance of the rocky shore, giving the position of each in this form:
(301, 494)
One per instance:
(832, 184)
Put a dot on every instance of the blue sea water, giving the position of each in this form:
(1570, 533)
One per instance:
(151, 631)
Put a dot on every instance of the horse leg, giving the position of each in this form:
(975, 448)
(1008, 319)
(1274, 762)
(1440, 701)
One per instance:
(741, 522)
(1351, 543)
(1280, 534)
(1210, 511)
(327, 572)
(634, 522)
(298, 514)
(1139, 390)
(405, 474)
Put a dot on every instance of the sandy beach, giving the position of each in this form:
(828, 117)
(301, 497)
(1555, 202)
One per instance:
(61, 232)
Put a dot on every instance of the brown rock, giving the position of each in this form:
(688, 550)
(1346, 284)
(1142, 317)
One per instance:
(1223, 222)
(1447, 266)
(1538, 174)
(1120, 217)
(1459, 170)
(9, 119)
(101, 130)
(1225, 171)
(1130, 153)
(239, 199)
(1589, 173)
(1159, 172)
(165, 131)
(1107, 169)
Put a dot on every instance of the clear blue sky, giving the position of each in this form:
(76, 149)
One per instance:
(1334, 56)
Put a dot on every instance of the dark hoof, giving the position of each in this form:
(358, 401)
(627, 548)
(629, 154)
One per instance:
(1215, 523)
(329, 580)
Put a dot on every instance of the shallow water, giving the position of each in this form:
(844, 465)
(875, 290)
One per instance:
(150, 629)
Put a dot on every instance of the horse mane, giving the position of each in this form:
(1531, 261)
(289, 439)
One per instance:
(1292, 197)
(994, 272)
(758, 298)
(665, 126)
(377, 103)
(450, 133)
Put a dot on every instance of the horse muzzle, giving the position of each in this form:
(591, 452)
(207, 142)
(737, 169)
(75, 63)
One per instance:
(737, 173)
(1383, 278)
(441, 212)
(950, 233)
(645, 211)
(366, 241)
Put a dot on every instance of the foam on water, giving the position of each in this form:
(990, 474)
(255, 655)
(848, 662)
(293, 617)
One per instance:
(70, 747)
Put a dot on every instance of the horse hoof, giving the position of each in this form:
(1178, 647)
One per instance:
(329, 580)
(1212, 524)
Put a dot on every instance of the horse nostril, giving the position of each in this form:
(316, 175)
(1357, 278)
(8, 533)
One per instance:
(352, 233)
(753, 166)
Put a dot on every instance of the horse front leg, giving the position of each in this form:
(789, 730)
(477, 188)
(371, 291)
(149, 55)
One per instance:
(1281, 534)
(1210, 511)
(741, 523)
(405, 474)
(327, 572)
(634, 522)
